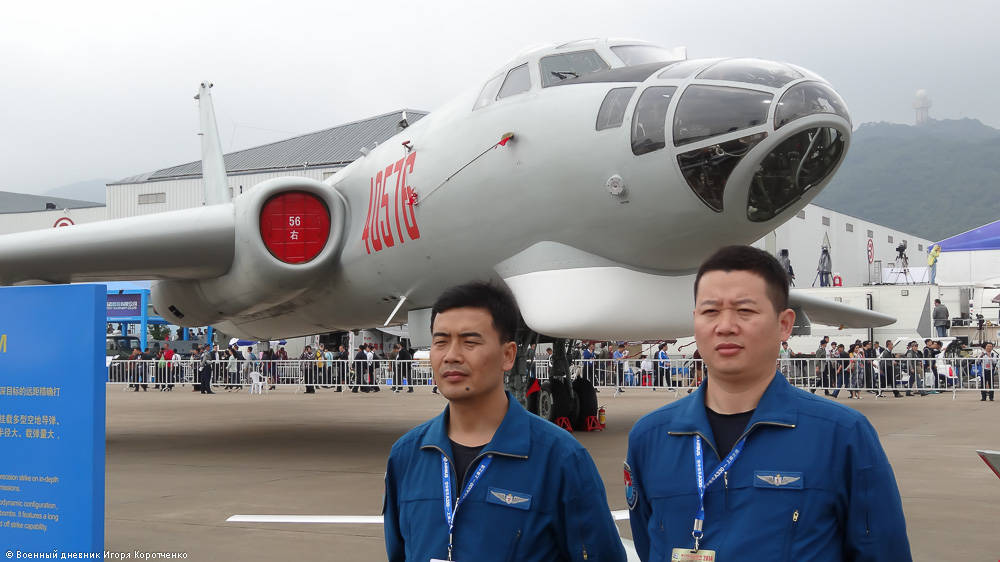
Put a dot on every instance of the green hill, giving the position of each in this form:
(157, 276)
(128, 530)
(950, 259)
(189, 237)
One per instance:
(934, 180)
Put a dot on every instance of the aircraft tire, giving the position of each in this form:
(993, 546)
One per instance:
(587, 395)
(554, 400)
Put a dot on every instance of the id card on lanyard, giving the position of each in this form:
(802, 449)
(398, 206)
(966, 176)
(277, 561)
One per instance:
(697, 531)
(449, 509)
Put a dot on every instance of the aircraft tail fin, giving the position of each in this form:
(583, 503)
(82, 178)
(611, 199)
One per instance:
(213, 166)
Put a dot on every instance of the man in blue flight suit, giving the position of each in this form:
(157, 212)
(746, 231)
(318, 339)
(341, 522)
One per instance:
(749, 467)
(486, 480)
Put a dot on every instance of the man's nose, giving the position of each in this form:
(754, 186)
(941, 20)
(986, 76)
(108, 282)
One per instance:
(726, 323)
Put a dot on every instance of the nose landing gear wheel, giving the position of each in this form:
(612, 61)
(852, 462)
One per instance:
(554, 400)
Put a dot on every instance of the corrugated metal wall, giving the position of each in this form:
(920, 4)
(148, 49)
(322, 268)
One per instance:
(123, 199)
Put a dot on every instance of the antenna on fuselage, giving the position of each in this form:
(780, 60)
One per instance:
(213, 165)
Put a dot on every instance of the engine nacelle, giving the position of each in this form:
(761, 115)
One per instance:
(289, 234)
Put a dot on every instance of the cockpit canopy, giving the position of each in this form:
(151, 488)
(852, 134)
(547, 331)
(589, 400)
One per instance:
(575, 62)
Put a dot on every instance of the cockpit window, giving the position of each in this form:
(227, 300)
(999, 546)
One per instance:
(556, 68)
(752, 71)
(612, 111)
(632, 55)
(649, 121)
(808, 98)
(518, 81)
(684, 69)
(794, 167)
(489, 92)
(706, 111)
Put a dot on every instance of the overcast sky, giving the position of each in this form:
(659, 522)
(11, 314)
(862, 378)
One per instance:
(104, 89)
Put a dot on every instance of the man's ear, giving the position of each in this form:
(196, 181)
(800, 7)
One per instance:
(509, 355)
(786, 321)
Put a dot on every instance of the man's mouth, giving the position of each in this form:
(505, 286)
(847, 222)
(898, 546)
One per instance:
(453, 376)
(728, 349)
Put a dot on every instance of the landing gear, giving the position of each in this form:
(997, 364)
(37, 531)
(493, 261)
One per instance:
(561, 396)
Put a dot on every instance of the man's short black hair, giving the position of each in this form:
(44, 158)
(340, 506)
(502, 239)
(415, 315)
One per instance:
(496, 300)
(748, 258)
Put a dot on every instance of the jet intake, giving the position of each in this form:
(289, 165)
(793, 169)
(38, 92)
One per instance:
(289, 234)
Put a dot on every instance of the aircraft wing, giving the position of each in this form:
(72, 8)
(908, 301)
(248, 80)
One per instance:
(189, 244)
(831, 313)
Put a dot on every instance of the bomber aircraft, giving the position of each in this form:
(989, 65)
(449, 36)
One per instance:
(591, 177)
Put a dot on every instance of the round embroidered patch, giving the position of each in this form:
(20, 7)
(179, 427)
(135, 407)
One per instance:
(631, 494)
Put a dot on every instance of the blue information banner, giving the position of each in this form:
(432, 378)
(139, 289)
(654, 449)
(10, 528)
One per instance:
(52, 419)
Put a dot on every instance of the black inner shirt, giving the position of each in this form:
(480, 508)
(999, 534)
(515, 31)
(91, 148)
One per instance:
(463, 458)
(727, 428)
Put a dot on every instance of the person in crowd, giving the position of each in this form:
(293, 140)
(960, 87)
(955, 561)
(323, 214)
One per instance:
(914, 368)
(888, 369)
(932, 259)
(778, 474)
(370, 362)
(405, 362)
(282, 354)
(307, 365)
(868, 366)
(205, 370)
(990, 364)
(822, 369)
(169, 354)
(138, 368)
(589, 357)
(513, 486)
(841, 374)
(785, 359)
(267, 367)
(619, 357)
(700, 371)
(854, 367)
(232, 371)
(662, 365)
(360, 369)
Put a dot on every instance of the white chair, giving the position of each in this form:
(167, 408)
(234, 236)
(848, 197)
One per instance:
(257, 383)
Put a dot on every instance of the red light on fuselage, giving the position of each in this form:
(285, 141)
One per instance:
(295, 226)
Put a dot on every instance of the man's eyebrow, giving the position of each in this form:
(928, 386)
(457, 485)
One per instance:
(460, 334)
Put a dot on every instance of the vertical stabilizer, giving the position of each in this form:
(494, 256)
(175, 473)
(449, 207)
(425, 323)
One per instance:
(213, 167)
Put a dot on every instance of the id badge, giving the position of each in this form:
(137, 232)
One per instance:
(688, 555)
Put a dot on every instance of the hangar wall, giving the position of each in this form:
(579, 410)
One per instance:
(144, 198)
(847, 237)
(39, 220)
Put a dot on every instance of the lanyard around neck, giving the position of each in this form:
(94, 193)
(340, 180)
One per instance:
(699, 471)
(451, 510)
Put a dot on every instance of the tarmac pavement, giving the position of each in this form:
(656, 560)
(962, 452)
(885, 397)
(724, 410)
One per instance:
(180, 463)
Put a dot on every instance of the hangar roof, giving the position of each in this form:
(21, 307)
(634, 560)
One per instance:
(25, 203)
(336, 146)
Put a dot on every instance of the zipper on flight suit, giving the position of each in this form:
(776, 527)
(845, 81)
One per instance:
(791, 535)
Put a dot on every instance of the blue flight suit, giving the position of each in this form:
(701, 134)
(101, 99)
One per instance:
(541, 498)
(812, 483)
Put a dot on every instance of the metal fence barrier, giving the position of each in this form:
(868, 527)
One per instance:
(898, 374)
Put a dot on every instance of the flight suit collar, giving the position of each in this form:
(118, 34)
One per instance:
(776, 407)
(512, 438)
